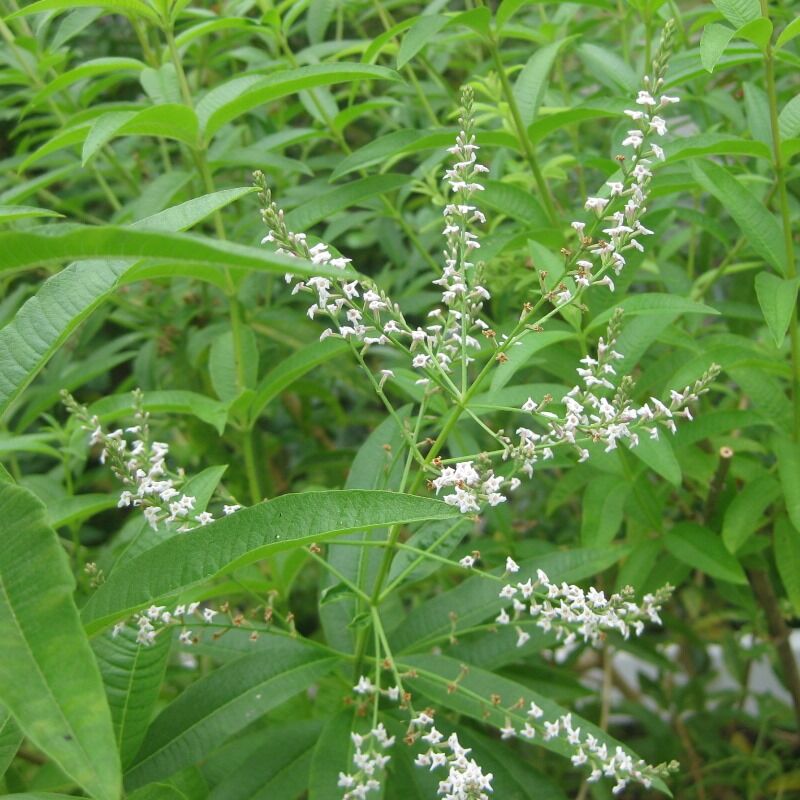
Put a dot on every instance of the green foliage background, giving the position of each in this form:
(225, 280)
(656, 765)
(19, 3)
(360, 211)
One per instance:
(130, 257)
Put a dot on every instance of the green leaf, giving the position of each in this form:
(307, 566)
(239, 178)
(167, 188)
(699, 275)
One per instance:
(170, 401)
(420, 33)
(760, 227)
(757, 31)
(223, 367)
(514, 201)
(293, 367)
(132, 675)
(531, 83)
(518, 357)
(136, 8)
(703, 550)
(777, 298)
(9, 213)
(739, 12)
(788, 455)
(75, 508)
(332, 755)
(341, 198)
(230, 100)
(743, 515)
(659, 456)
(250, 535)
(277, 768)
(10, 739)
(162, 85)
(88, 69)
(787, 559)
(652, 303)
(602, 510)
(713, 43)
(62, 711)
(223, 703)
(788, 33)
(168, 121)
(789, 119)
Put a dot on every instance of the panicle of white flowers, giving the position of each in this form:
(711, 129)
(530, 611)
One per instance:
(599, 411)
(589, 751)
(626, 199)
(366, 688)
(465, 779)
(141, 466)
(574, 614)
(369, 762)
(150, 622)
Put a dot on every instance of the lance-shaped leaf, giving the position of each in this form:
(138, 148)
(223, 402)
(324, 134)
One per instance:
(49, 680)
(247, 536)
(132, 675)
(221, 704)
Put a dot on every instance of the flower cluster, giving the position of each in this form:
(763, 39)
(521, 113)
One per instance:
(590, 751)
(156, 618)
(361, 313)
(141, 467)
(465, 779)
(625, 201)
(573, 614)
(599, 411)
(369, 761)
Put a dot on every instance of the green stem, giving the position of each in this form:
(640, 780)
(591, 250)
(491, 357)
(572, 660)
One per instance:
(522, 134)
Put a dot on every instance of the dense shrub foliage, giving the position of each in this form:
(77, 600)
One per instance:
(399, 400)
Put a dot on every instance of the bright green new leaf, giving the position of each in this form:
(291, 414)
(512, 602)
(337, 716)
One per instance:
(10, 739)
(9, 213)
(713, 43)
(137, 8)
(703, 550)
(659, 456)
(63, 711)
(230, 100)
(250, 535)
(757, 31)
(777, 298)
(739, 12)
(169, 121)
(531, 83)
(788, 33)
(420, 33)
(760, 227)
(789, 119)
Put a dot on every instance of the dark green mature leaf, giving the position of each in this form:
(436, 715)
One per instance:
(777, 298)
(10, 739)
(62, 711)
(788, 453)
(340, 198)
(603, 503)
(331, 756)
(518, 357)
(278, 767)
(760, 227)
(132, 675)
(531, 82)
(659, 456)
(703, 549)
(237, 97)
(249, 535)
(787, 559)
(743, 515)
(652, 303)
(293, 367)
(66, 299)
(223, 703)
(21, 249)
